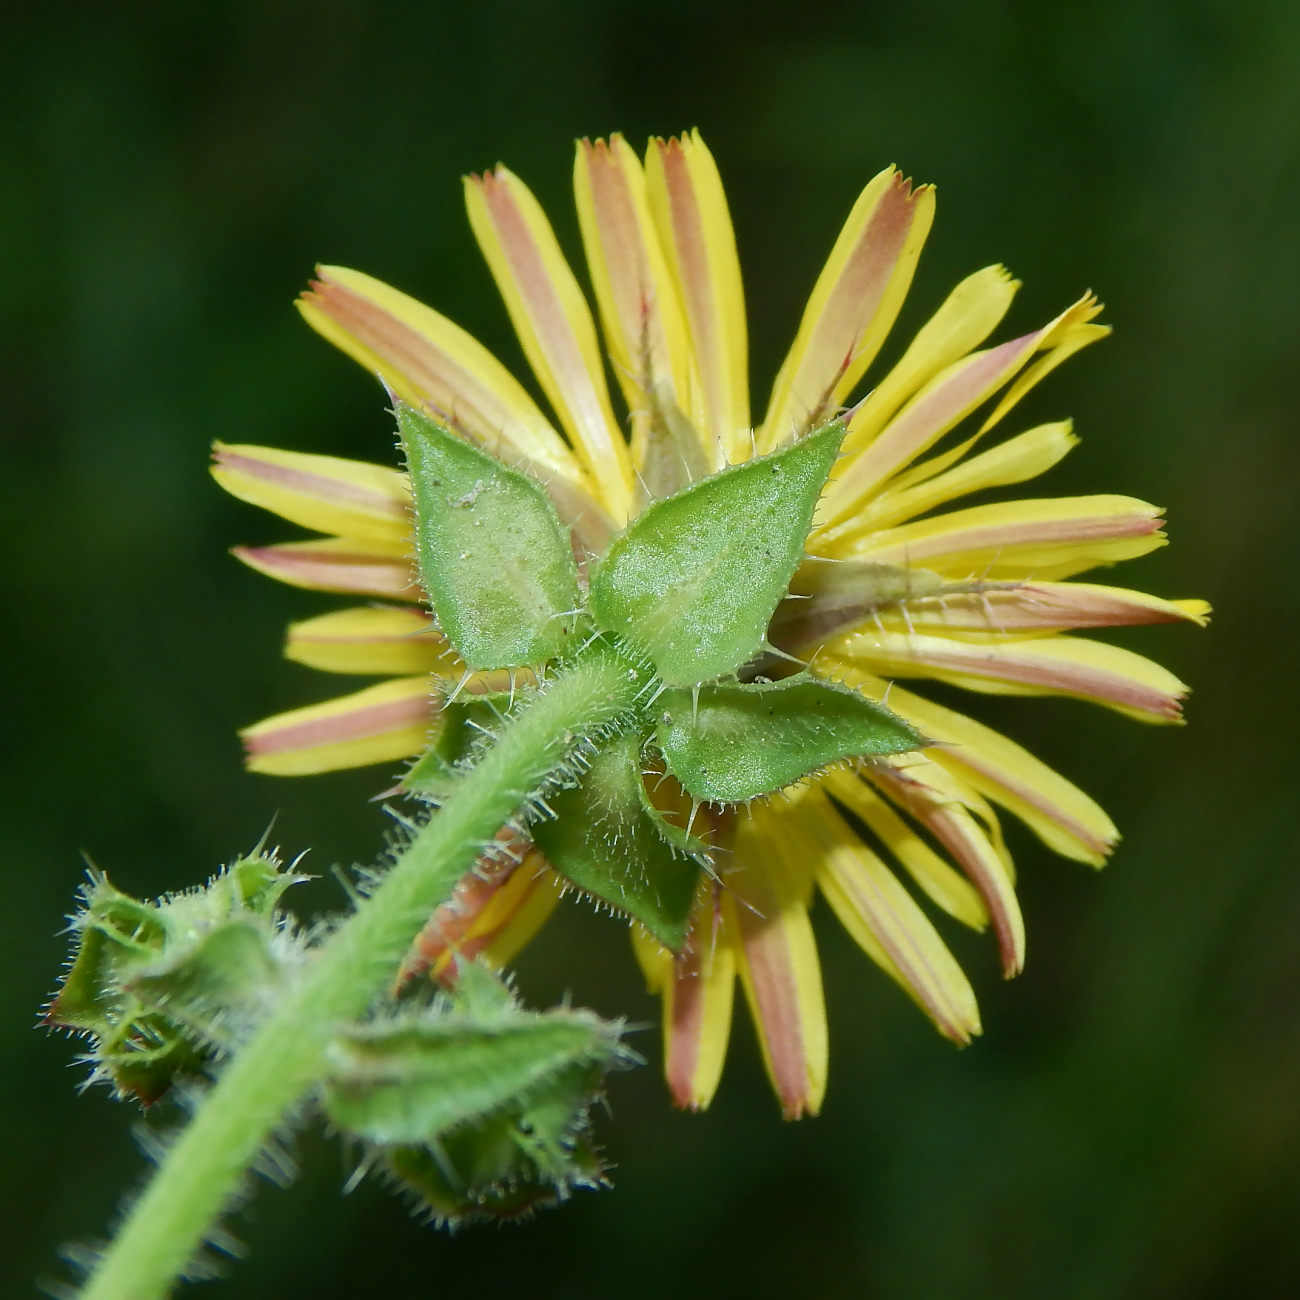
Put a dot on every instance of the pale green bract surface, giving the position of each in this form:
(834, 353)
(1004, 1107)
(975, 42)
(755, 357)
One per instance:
(728, 743)
(412, 1076)
(610, 840)
(476, 1105)
(691, 584)
(492, 554)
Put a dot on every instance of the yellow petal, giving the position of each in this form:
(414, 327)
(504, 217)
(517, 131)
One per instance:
(882, 918)
(1056, 810)
(495, 908)
(381, 639)
(943, 403)
(689, 209)
(431, 363)
(353, 565)
(697, 988)
(1054, 665)
(321, 492)
(944, 886)
(853, 306)
(377, 725)
(971, 312)
(554, 326)
(941, 803)
(1009, 611)
(645, 330)
(1063, 344)
(1047, 538)
(765, 902)
(1023, 457)
(507, 925)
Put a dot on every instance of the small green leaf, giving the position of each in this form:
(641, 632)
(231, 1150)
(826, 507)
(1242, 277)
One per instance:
(412, 1079)
(464, 725)
(692, 583)
(737, 742)
(492, 1170)
(227, 970)
(161, 986)
(608, 839)
(493, 557)
(478, 1106)
(117, 934)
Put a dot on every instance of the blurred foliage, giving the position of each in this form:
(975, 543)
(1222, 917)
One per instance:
(1129, 1126)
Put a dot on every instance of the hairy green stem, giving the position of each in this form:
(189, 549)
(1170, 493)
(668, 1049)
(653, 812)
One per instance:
(281, 1062)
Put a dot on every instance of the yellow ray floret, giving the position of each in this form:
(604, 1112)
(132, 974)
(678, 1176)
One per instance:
(383, 639)
(354, 566)
(766, 904)
(326, 493)
(377, 725)
(698, 991)
(645, 330)
(1023, 457)
(952, 892)
(1048, 538)
(554, 325)
(689, 210)
(888, 925)
(853, 306)
(432, 363)
(971, 312)
(942, 404)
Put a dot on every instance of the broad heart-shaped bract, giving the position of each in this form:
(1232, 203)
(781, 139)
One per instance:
(729, 743)
(493, 557)
(608, 839)
(411, 1078)
(478, 1106)
(692, 583)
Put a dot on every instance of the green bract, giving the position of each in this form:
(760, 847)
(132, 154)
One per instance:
(412, 1077)
(692, 583)
(161, 987)
(729, 743)
(476, 1104)
(609, 839)
(465, 724)
(493, 557)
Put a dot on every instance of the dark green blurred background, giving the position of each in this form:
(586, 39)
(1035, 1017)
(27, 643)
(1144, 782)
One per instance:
(1130, 1123)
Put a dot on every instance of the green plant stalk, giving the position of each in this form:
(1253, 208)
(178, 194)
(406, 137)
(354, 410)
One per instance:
(281, 1062)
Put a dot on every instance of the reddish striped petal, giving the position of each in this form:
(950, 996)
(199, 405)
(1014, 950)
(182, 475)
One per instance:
(698, 989)
(1047, 538)
(939, 803)
(493, 911)
(554, 326)
(689, 209)
(1039, 608)
(645, 330)
(346, 564)
(881, 916)
(942, 404)
(377, 725)
(435, 365)
(766, 902)
(1065, 818)
(1054, 665)
(853, 306)
(321, 492)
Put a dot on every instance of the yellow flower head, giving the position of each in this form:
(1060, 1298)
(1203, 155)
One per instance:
(895, 584)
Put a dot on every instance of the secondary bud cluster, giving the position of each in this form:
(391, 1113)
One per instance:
(162, 988)
(473, 1104)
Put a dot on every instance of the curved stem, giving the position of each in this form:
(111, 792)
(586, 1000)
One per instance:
(282, 1060)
